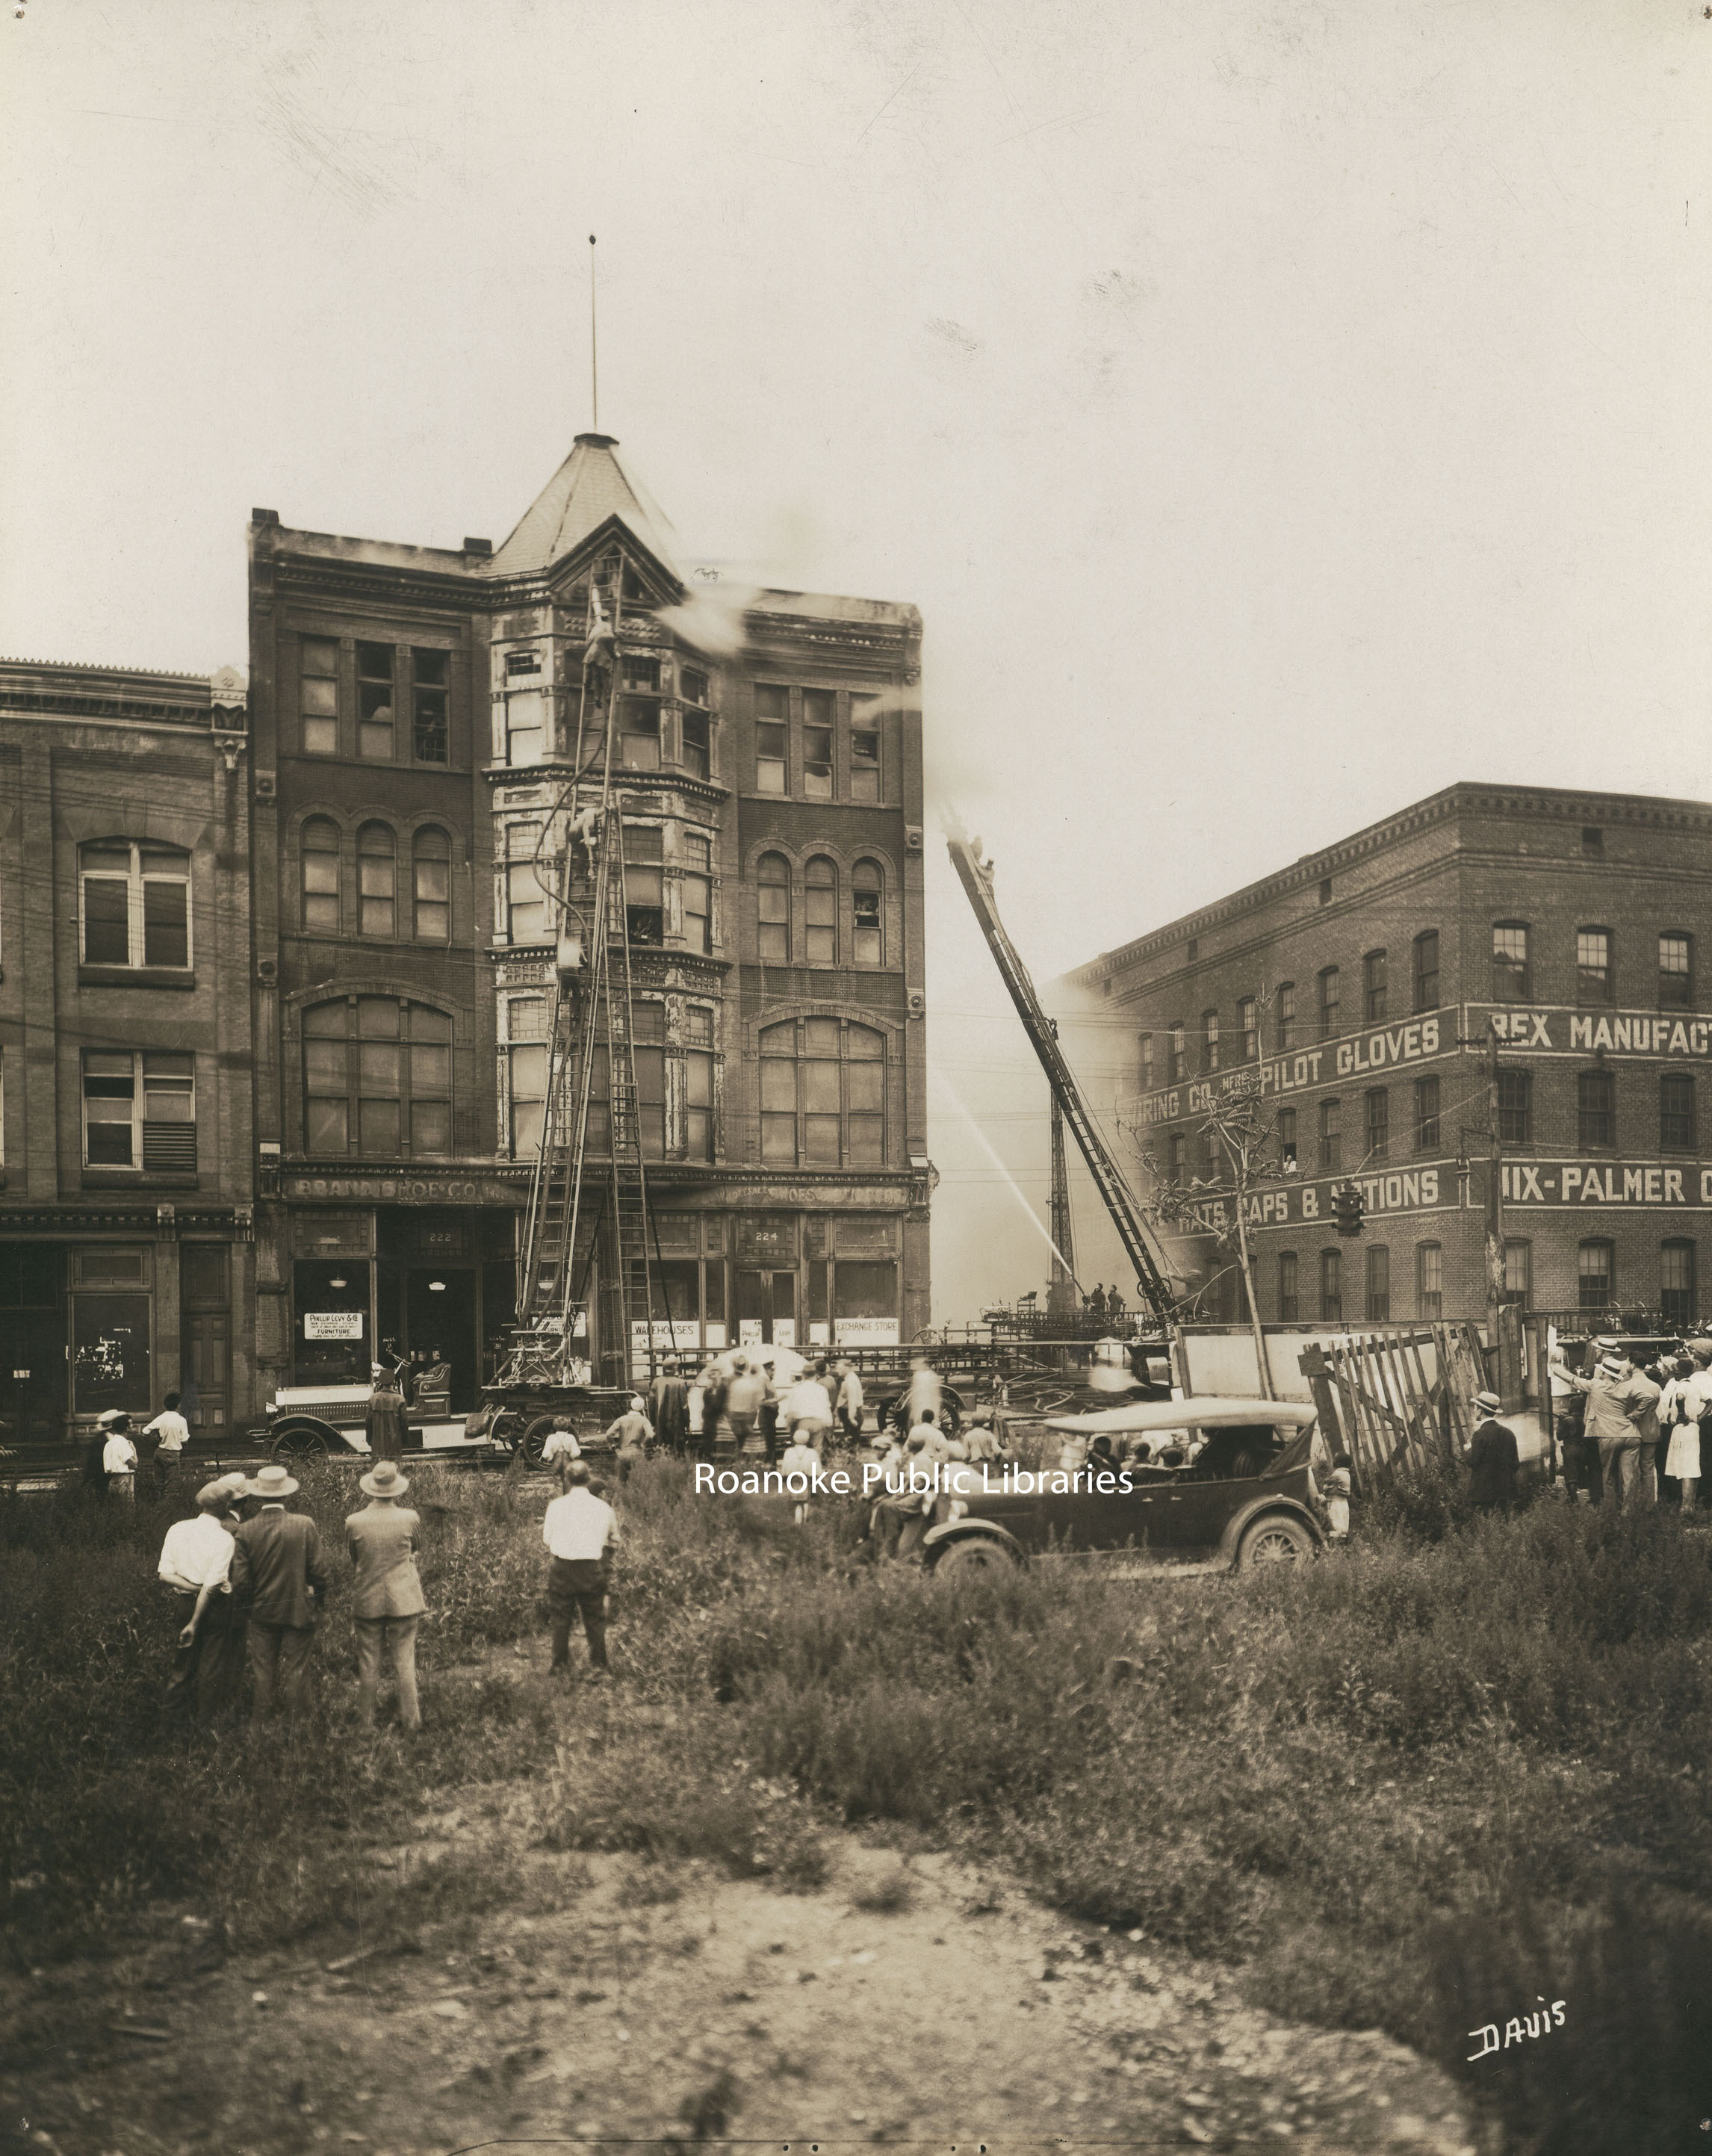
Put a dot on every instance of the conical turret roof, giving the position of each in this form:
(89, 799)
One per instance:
(593, 484)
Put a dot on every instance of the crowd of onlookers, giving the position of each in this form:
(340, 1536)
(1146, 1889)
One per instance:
(1630, 1430)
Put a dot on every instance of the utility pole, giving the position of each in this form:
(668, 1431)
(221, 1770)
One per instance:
(1061, 1300)
(1495, 1194)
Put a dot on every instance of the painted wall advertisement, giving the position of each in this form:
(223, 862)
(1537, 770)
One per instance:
(1364, 1054)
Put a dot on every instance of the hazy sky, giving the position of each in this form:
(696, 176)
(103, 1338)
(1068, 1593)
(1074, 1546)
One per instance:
(1277, 411)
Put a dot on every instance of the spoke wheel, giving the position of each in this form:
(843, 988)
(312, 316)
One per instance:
(1278, 1540)
(299, 1444)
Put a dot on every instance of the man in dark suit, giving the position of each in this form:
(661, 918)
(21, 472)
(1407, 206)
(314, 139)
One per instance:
(1492, 1458)
(277, 1570)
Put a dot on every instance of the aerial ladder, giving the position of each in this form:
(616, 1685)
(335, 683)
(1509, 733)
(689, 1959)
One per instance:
(1134, 1231)
(588, 1210)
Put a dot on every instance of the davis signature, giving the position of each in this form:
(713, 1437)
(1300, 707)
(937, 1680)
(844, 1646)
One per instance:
(1518, 2026)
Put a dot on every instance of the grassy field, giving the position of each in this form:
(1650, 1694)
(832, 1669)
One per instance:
(1436, 1781)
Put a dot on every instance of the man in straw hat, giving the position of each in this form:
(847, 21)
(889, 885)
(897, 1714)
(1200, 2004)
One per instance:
(195, 1568)
(383, 1539)
(1492, 1458)
(1622, 1420)
(276, 1564)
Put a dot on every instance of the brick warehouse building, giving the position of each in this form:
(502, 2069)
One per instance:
(1578, 924)
(126, 1149)
(414, 714)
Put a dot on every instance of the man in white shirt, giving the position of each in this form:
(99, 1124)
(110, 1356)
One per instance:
(580, 1530)
(849, 1401)
(195, 1568)
(118, 1453)
(561, 1447)
(172, 1434)
(805, 1412)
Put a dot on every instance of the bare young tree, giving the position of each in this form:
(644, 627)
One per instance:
(1243, 1130)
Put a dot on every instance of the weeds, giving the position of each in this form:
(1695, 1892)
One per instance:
(1460, 1764)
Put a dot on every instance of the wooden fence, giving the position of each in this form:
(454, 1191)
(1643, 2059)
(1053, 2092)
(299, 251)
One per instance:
(1395, 1396)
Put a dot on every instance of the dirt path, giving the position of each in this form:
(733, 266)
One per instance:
(910, 2000)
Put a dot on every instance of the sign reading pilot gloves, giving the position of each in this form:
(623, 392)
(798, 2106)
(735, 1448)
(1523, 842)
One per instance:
(1380, 1048)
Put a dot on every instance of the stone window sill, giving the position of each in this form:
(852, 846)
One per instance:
(137, 976)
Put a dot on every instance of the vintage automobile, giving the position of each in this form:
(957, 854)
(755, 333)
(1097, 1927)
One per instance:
(303, 1420)
(1222, 1482)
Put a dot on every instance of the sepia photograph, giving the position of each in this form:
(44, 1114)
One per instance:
(855, 961)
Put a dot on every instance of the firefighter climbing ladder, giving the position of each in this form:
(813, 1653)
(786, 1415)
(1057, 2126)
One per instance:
(581, 866)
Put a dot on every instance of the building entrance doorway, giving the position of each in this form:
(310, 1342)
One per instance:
(440, 1313)
(768, 1302)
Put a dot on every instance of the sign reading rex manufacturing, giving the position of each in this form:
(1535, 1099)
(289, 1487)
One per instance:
(1381, 1047)
(1557, 1031)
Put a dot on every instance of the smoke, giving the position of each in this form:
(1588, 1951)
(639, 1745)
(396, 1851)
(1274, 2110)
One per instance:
(712, 619)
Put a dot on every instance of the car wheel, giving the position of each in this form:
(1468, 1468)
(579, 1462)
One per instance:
(299, 1443)
(976, 1554)
(1275, 1540)
(534, 1437)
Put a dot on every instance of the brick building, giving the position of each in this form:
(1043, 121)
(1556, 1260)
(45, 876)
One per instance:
(125, 1139)
(417, 715)
(1577, 925)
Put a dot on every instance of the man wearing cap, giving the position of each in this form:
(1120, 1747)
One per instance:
(581, 1530)
(195, 1568)
(1622, 1420)
(388, 1606)
(1492, 1458)
(385, 1421)
(277, 1567)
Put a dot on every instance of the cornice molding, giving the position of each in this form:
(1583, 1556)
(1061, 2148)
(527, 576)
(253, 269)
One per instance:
(1538, 805)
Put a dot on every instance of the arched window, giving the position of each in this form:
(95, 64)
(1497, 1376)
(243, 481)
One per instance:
(1179, 1060)
(377, 868)
(1247, 1025)
(822, 1094)
(866, 886)
(378, 1079)
(432, 886)
(820, 894)
(1676, 970)
(1378, 1284)
(1429, 1279)
(1331, 1135)
(1285, 1013)
(1426, 970)
(1331, 1286)
(772, 899)
(1290, 1303)
(1676, 1111)
(1512, 973)
(1375, 992)
(1593, 976)
(1209, 1040)
(320, 877)
(1596, 1109)
(135, 903)
(1330, 1020)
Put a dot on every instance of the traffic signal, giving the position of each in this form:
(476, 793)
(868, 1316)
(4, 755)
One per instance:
(1347, 1205)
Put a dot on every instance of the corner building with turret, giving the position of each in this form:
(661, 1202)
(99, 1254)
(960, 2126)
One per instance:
(418, 716)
